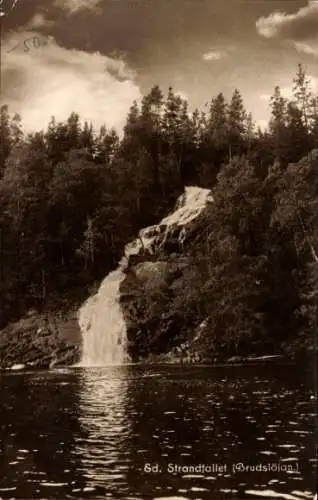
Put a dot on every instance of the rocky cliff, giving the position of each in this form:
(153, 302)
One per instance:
(157, 271)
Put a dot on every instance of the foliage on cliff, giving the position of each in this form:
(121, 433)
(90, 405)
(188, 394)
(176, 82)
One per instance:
(249, 275)
(71, 198)
(259, 258)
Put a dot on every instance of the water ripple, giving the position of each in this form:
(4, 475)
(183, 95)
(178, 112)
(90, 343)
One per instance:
(92, 433)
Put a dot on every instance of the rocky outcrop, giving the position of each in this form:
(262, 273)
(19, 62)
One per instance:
(173, 232)
(40, 341)
(157, 265)
(146, 296)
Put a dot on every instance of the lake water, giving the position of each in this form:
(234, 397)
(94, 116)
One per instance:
(205, 433)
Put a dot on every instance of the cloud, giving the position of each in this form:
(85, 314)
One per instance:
(51, 80)
(75, 5)
(299, 29)
(214, 55)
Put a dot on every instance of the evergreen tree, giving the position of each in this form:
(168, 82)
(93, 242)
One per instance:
(218, 131)
(150, 121)
(302, 94)
(236, 124)
(298, 142)
(278, 124)
(178, 137)
(217, 122)
(106, 146)
(86, 138)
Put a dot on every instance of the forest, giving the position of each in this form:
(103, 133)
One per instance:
(71, 197)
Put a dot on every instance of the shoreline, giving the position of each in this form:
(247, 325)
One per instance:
(279, 361)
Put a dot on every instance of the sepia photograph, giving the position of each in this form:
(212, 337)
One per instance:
(158, 249)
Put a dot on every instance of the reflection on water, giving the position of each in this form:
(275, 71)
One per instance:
(143, 433)
(103, 415)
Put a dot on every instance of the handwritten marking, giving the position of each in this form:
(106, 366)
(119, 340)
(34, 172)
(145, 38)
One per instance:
(37, 43)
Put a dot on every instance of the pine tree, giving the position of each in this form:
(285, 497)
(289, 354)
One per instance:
(87, 249)
(132, 119)
(217, 122)
(63, 136)
(298, 140)
(278, 124)
(106, 146)
(302, 94)
(236, 124)
(178, 136)
(151, 107)
(73, 132)
(86, 138)
(150, 121)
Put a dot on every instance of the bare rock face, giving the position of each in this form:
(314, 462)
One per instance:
(157, 261)
(173, 232)
(40, 341)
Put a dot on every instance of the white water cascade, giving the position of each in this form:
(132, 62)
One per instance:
(100, 317)
(103, 326)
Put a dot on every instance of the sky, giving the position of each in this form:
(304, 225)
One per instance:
(97, 56)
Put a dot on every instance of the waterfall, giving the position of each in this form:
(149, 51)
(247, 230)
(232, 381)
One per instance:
(102, 324)
(100, 317)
